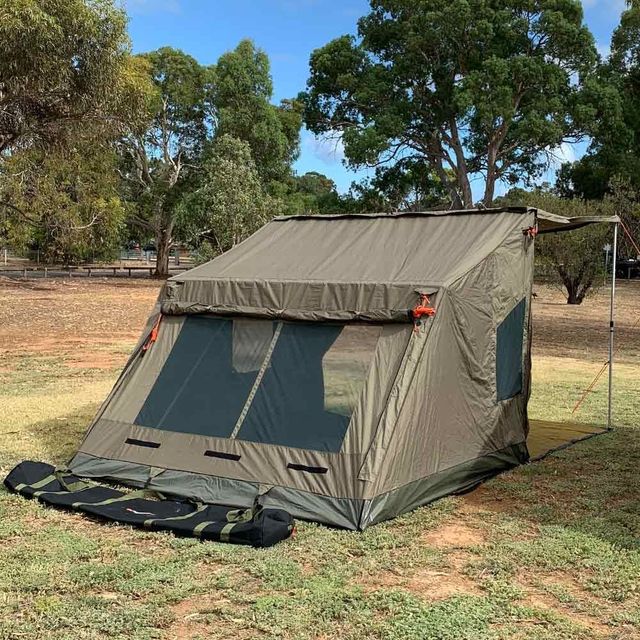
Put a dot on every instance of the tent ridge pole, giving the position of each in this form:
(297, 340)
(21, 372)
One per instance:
(612, 323)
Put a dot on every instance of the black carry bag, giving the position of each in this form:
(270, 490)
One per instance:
(256, 526)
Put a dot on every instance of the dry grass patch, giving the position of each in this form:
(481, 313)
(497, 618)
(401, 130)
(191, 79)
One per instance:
(548, 551)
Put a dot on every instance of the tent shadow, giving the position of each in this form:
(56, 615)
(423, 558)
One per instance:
(54, 440)
(591, 487)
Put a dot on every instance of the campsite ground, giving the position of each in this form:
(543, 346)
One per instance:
(550, 550)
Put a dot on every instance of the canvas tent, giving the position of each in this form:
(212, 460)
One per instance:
(294, 368)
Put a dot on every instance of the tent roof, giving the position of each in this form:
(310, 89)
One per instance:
(548, 222)
(426, 248)
(365, 266)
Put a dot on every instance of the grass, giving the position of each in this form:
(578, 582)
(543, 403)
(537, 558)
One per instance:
(548, 551)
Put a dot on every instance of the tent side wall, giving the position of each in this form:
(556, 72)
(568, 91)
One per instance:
(464, 415)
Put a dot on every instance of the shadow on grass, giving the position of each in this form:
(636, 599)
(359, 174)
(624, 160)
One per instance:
(593, 487)
(53, 441)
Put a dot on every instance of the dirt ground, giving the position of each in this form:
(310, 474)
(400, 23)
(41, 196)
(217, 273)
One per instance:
(61, 316)
(582, 331)
(66, 315)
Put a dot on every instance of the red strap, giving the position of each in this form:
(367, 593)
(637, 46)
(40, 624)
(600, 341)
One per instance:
(153, 336)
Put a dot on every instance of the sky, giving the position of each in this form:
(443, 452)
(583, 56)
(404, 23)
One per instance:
(288, 31)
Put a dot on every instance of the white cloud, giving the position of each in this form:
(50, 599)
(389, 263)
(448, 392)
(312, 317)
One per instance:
(329, 149)
(564, 153)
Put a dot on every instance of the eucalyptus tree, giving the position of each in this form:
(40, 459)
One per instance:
(69, 87)
(64, 65)
(470, 88)
(242, 95)
(230, 201)
(160, 155)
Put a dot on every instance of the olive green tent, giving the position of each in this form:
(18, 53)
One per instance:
(305, 366)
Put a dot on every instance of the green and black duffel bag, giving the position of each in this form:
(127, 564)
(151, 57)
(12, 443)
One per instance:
(256, 526)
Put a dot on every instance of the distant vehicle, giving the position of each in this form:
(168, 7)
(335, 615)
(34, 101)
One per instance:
(629, 268)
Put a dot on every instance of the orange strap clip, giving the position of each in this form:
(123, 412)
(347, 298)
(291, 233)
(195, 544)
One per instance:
(530, 232)
(153, 336)
(422, 309)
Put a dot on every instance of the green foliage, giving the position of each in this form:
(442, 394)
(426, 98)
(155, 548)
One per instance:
(464, 86)
(167, 163)
(577, 257)
(242, 94)
(615, 148)
(157, 157)
(69, 86)
(229, 202)
(62, 63)
(64, 203)
(405, 186)
(310, 193)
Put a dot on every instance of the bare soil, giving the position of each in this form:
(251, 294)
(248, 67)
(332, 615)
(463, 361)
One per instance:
(71, 317)
(582, 331)
(63, 315)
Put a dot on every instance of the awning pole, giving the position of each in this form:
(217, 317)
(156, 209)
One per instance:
(611, 319)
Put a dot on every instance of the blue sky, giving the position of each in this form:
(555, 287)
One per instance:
(289, 30)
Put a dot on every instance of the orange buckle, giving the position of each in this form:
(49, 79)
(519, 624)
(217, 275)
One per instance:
(422, 309)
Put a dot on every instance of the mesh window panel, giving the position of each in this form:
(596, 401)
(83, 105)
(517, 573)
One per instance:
(315, 376)
(509, 342)
(207, 378)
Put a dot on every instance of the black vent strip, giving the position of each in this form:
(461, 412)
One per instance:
(222, 455)
(306, 469)
(142, 443)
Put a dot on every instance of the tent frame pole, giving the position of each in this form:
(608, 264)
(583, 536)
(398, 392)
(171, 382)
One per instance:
(612, 323)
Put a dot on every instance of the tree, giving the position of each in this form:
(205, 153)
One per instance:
(68, 87)
(408, 185)
(309, 193)
(194, 105)
(575, 257)
(468, 87)
(615, 147)
(160, 157)
(63, 64)
(64, 203)
(229, 203)
(242, 94)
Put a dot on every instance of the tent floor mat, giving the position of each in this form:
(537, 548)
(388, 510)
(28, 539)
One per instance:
(257, 526)
(546, 437)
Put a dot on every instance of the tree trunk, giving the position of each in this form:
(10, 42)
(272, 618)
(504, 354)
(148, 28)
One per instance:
(467, 193)
(490, 187)
(576, 290)
(573, 298)
(163, 247)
